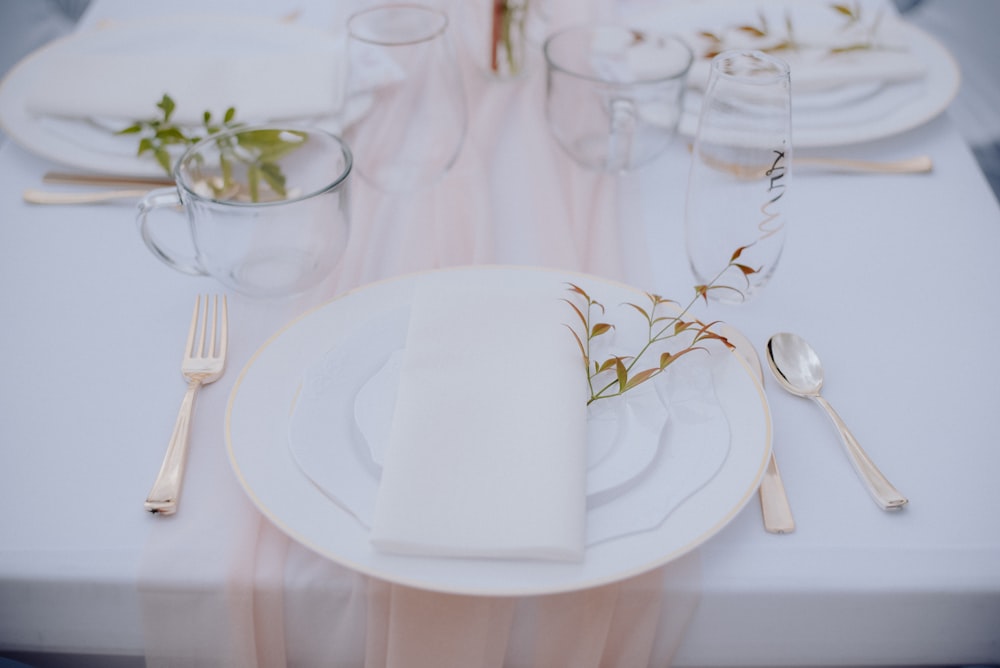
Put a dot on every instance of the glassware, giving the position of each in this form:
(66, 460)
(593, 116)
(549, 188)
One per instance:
(400, 57)
(740, 172)
(614, 94)
(267, 209)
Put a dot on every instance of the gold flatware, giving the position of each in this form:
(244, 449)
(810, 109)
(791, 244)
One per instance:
(774, 505)
(203, 362)
(797, 368)
(34, 196)
(107, 180)
(920, 164)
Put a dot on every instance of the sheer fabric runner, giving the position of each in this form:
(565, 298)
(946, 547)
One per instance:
(512, 198)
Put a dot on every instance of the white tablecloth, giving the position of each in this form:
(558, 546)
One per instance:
(892, 278)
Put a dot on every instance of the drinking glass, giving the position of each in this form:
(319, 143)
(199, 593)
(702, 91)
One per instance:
(614, 94)
(267, 210)
(401, 57)
(740, 171)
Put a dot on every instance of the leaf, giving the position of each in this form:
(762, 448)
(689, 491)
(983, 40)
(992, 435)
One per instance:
(600, 328)
(163, 158)
(622, 373)
(843, 9)
(752, 30)
(167, 106)
(579, 343)
(745, 269)
(639, 309)
(274, 177)
(641, 377)
(578, 312)
(608, 364)
(230, 115)
(145, 144)
(130, 130)
(738, 252)
(573, 287)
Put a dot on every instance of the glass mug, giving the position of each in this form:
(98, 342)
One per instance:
(740, 172)
(614, 95)
(267, 209)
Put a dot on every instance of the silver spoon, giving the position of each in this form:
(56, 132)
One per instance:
(797, 368)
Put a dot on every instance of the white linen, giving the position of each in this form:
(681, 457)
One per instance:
(487, 450)
(118, 74)
(927, 581)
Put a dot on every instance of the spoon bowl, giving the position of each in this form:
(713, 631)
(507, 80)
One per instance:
(795, 364)
(797, 368)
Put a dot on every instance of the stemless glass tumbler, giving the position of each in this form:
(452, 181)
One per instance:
(400, 57)
(614, 94)
(740, 170)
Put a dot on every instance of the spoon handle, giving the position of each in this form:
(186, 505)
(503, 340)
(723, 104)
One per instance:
(885, 495)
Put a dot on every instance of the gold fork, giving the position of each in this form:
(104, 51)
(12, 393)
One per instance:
(204, 361)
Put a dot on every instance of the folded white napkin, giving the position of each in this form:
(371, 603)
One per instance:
(487, 452)
(121, 72)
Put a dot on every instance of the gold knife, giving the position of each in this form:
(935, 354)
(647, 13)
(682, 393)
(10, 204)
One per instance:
(774, 504)
(106, 180)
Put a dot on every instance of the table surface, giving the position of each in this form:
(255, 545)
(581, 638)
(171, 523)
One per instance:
(890, 277)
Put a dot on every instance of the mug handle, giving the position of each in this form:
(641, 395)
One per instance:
(164, 197)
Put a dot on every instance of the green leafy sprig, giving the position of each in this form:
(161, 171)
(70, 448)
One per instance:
(617, 374)
(257, 150)
(158, 134)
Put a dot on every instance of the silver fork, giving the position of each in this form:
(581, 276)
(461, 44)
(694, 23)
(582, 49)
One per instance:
(204, 361)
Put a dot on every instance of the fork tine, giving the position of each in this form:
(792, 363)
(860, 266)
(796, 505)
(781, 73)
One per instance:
(224, 328)
(210, 352)
(189, 348)
(203, 329)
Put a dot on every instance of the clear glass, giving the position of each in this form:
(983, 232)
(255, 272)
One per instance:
(737, 192)
(267, 207)
(614, 94)
(402, 62)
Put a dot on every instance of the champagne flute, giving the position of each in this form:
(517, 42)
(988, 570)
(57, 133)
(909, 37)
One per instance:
(740, 171)
(401, 56)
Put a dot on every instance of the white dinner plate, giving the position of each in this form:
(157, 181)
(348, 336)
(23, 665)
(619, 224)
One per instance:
(849, 115)
(92, 144)
(257, 425)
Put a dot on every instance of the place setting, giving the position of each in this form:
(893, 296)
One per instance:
(366, 430)
(860, 72)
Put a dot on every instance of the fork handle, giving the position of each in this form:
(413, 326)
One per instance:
(163, 496)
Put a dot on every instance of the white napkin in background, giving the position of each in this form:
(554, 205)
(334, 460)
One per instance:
(487, 452)
(120, 72)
